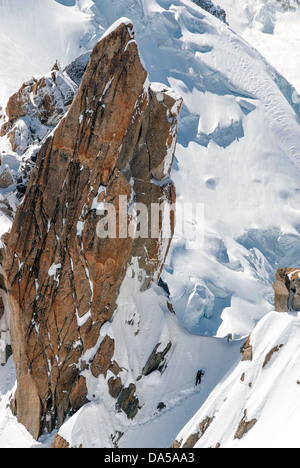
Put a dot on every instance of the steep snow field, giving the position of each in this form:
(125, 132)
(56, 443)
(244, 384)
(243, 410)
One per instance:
(238, 157)
(33, 35)
(166, 398)
(271, 29)
(267, 388)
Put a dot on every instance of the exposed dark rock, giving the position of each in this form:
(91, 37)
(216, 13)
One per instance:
(247, 350)
(216, 11)
(287, 290)
(128, 402)
(244, 426)
(270, 354)
(156, 360)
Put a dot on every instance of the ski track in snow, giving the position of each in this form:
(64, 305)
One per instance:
(247, 75)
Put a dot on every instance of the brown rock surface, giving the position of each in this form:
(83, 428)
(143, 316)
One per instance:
(244, 426)
(193, 438)
(103, 358)
(128, 401)
(270, 354)
(6, 178)
(287, 289)
(247, 350)
(118, 138)
(60, 443)
(78, 395)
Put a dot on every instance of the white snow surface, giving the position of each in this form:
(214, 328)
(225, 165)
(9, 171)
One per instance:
(141, 321)
(271, 29)
(268, 392)
(238, 157)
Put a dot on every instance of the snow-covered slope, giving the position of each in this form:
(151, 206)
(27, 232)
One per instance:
(257, 404)
(272, 27)
(166, 397)
(238, 157)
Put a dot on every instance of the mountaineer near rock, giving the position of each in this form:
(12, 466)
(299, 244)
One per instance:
(287, 290)
(62, 280)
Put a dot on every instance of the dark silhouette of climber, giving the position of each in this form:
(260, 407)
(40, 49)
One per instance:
(292, 293)
(199, 376)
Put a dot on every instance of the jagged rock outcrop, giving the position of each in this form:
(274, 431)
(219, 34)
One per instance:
(209, 6)
(33, 112)
(244, 426)
(6, 179)
(39, 104)
(63, 280)
(287, 290)
(156, 360)
(247, 350)
(192, 439)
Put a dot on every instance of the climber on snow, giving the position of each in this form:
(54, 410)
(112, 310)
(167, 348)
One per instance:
(199, 376)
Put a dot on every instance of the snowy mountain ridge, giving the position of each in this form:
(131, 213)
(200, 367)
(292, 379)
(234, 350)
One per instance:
(238, 155)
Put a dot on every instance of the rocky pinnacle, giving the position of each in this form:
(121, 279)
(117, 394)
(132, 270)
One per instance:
(63, 280)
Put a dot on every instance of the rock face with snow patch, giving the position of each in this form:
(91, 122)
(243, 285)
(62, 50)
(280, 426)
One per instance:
(33, 112)
(62, 276)
(38, 105)
(208, 5)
